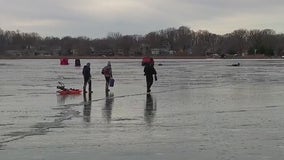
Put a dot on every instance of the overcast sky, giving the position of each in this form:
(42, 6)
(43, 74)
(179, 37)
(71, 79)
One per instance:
(96, 18)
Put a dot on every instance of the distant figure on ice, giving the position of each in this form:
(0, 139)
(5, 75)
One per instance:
(107, 72)
(149, 71)
(77, 63)
(87, 78)
(236, 64)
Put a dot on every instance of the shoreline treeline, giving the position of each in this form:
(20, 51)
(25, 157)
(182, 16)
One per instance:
(175, 42)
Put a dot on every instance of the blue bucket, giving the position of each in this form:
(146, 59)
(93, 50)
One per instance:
(111, 82)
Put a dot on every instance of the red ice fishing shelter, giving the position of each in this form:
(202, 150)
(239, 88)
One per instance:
(64, 61)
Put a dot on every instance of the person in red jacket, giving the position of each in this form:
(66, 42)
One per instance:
(107, 72)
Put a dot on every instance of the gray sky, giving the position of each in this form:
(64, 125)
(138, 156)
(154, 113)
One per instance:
(96, 18)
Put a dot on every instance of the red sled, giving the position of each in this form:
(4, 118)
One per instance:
(65, 91)
(70, 92)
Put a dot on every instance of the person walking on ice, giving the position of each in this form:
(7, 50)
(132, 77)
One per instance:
(149, 71)
(87, 78)
(107, 72)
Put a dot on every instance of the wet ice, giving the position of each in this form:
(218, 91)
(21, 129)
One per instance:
(202, 109)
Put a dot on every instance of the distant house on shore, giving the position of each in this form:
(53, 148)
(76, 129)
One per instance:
(103, 52)
(162, 51)
(13, 52)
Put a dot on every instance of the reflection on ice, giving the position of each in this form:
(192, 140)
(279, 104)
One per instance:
(107, 110)
(62, 99)
(215, 106)
(150, 109)
(87, 107)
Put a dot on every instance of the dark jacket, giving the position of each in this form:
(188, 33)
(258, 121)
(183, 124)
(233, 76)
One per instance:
(149, 70)
(86, 71)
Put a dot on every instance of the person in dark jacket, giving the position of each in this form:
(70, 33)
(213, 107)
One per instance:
(87, 77)
(149, 71)
(77, 62)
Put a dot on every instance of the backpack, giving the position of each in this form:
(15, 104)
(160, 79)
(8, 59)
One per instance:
(147, 60)
(106, 71)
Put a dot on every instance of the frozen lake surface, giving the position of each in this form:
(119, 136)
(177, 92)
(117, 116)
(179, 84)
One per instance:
(198, 109)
